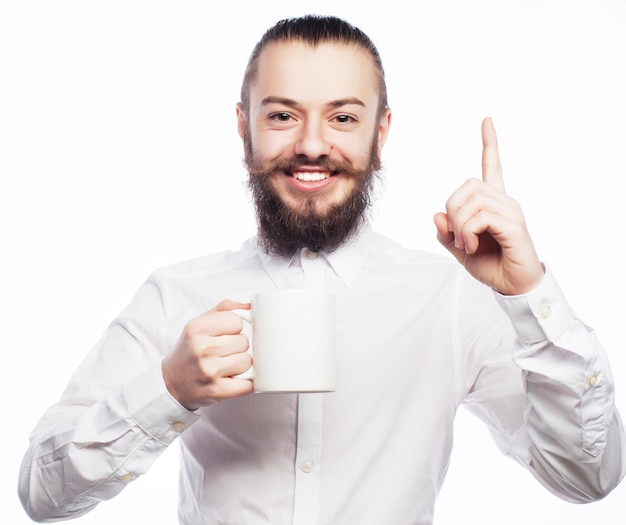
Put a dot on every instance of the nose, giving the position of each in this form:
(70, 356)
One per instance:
(312, 142)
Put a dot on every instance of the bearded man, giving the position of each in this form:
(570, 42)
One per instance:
(418, 335)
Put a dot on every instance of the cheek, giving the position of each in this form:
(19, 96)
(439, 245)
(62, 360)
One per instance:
(353, 147)
(268, 145)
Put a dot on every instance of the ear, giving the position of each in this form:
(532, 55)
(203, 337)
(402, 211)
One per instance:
(241, 120)
(383, 129)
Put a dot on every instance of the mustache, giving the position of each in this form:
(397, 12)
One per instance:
(291, 164)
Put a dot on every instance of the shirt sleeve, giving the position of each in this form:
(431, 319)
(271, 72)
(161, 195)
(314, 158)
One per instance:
(113, 421)
(572, 439)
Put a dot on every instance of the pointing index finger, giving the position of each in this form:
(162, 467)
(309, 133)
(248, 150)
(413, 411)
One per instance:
(492, 169)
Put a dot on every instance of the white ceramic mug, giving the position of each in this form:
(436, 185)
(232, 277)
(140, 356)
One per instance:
(293, 340)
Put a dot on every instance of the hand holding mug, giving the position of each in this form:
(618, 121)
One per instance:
(210, 351)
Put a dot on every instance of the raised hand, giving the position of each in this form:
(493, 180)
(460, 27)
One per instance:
(485, 229)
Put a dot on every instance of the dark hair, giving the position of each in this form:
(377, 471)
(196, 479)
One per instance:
(313, 30)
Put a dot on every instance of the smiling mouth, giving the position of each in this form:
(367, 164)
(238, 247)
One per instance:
(312, 176)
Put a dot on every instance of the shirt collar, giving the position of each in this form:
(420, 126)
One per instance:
(346, 261)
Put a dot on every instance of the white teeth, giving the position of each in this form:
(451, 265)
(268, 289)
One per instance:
(310, 176)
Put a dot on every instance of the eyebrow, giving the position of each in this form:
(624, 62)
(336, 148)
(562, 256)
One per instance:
(333, 103)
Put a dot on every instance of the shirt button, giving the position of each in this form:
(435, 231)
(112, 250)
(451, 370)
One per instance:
(545, 311)
(307, 466)
(178, 426)
(592, 380)
(310, 254)
(127, 478)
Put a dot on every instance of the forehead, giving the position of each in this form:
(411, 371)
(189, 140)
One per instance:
(302, 72)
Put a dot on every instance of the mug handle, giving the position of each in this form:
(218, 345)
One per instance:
(246, 316)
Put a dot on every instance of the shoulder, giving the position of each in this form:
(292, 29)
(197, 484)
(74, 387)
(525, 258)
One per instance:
(211, 265)
(387, 250)
(390, 265)
(424, 271)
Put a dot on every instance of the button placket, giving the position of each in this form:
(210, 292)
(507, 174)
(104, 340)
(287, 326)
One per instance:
(308, 450)
(308, 453)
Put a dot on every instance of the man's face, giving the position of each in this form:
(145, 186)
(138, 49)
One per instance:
(312, 135)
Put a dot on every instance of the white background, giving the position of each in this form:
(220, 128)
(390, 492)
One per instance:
(119, 154)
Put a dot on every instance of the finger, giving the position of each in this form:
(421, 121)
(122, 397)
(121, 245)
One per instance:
(477, 230)
(492, 169)
(225, 345)
(445, 235)
(228, 366)
(229, 387)
(222, 384)
(211, 324)
(218, 320)
(479, 213)
(227, 304)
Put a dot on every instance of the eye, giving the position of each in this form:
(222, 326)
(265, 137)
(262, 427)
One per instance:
(281, 117)
(344, 119)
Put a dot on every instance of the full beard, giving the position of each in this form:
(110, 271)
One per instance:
(284, 229)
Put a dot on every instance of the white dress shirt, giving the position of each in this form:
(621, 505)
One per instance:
(416, 338)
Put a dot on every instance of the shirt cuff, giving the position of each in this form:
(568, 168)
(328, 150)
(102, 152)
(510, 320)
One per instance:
(154, 409)
(539, 315)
